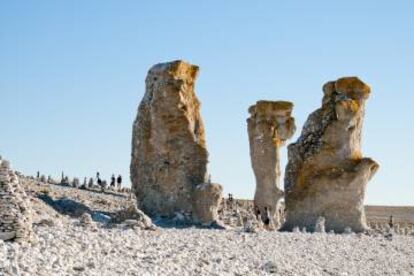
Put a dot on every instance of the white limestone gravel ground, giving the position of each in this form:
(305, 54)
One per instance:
(68, 248)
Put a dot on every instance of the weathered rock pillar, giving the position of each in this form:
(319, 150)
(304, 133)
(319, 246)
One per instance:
(169, 155)
(270, 124)
(326, 174)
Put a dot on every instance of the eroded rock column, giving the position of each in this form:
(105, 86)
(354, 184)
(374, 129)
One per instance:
(169, 155)
(326, 174)
(270, 124)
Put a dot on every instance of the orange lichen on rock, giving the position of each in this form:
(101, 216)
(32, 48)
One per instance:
(326, 174)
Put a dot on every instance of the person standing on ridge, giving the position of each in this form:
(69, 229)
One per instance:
(119, 181)
(113, 180)
(391, 222)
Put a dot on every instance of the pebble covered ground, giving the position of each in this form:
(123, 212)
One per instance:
(62, 244)
(69, 248)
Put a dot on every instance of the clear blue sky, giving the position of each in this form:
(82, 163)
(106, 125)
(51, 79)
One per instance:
(72, 75)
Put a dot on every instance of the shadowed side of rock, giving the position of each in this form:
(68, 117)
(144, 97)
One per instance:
(169, 155)
(326, 174)
(270, 124)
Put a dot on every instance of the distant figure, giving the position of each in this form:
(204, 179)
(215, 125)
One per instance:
(266, 218)
(38, 174)
(113, 180)
(257, 212)
(119, 181)
(230, 204)
(90, 183)
(63, 176)
(98, 175)
(391, 222)
(85, 183)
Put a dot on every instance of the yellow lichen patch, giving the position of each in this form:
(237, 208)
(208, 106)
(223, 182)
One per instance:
(303, 176)
(274, 105)
(352, 87)
(271, 108)
(356, 156)
(277, 142)
(349, 106)
(183, 70)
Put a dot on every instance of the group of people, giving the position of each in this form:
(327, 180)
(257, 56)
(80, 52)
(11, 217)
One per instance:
(115, 181)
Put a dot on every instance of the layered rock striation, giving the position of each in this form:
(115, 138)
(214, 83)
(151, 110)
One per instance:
(326, 175)
(169, 155)
(15, 211)
(269, 126)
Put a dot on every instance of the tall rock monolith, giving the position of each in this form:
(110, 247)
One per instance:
(169, 155)
(326, 175)
(269, 126)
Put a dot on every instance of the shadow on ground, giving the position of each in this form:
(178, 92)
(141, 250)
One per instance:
(72, 208)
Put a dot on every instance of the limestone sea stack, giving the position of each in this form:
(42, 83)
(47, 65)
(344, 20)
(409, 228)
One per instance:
(169, 155)
(15, 210)
(269, 126)
(326, 175)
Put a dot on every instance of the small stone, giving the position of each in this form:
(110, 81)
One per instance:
(348, 230)
(320, 225)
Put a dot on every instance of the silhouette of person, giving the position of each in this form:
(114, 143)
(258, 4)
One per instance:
(113, 180)
(257, 212)
(266, 219)
(391, 222)
(119, 181)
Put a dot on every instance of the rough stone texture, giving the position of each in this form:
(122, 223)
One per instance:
(169, 155)
(15, 211)
(326, 174)
(270, 124)
(206, 200)
(133, 217)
